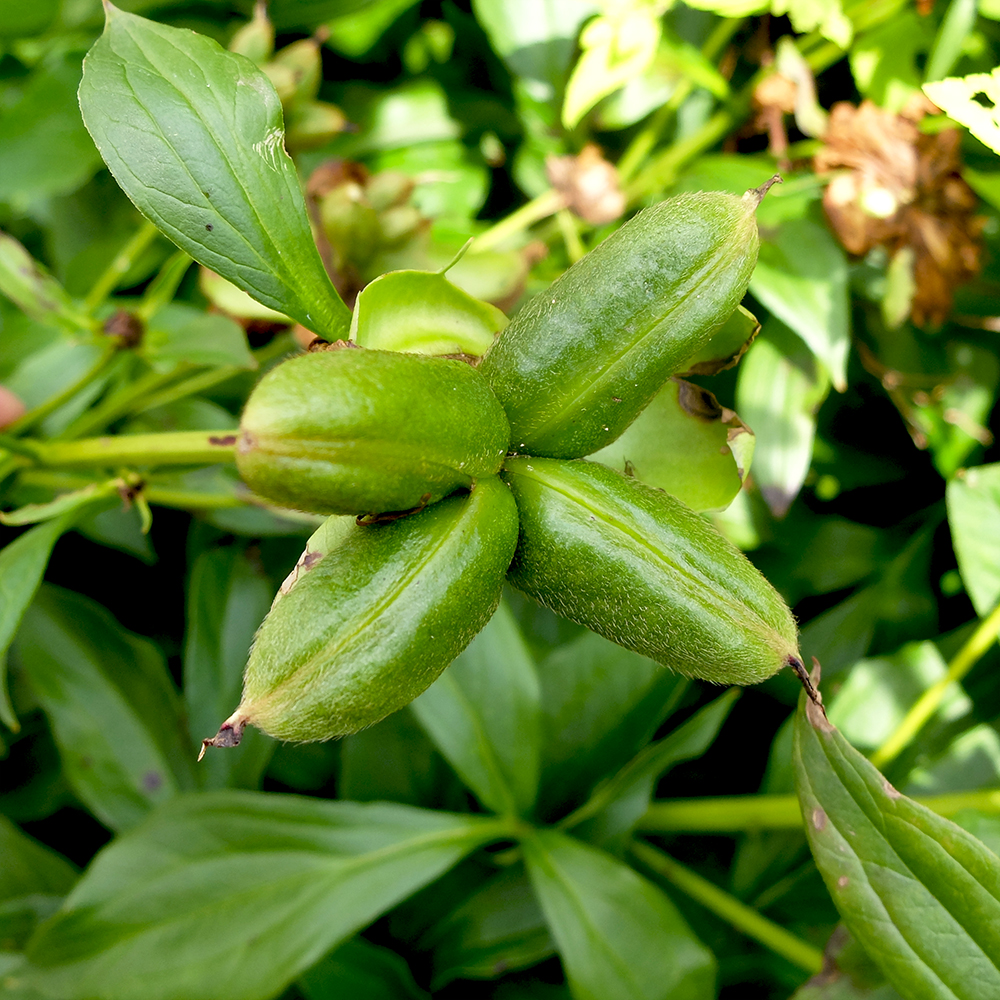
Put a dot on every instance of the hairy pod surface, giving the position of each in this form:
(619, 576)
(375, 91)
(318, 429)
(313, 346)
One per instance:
(580, 361)
(359, 431)
(359, 630)
(639, 567)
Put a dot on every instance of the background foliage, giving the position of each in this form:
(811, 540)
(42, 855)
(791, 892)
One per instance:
(556, 816)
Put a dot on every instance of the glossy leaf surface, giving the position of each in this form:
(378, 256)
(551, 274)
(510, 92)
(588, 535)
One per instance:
(194, 136)
(921, 893)
(619, 937)
(218, 874)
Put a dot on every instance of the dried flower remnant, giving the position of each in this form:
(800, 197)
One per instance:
(589, 184)
(902, 189)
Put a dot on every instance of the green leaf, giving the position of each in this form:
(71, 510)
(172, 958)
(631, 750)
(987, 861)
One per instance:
(22, 566)
(111, 705)
(26, 283)
(65, 503)
(361, 971)
(887, 61)
(848, 974)
(232, 895)
(355, 33)
(801, 278)
(498, 929)
(959, 21)
(684, 442)
(779, 389)
(193, 134)
(600, 704)
(921, 893)
(974, 519)
(423, 312)
(33, 881)
(825, 16)
(535, 38)
(483, 713)
(956, 97)
(19, 20)
(616, 49)
(728, 344)
(180, 334)
(608, 818)
(619, 937)
(227, 599)
(44, 148)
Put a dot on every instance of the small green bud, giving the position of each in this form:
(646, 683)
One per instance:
(355, 431)
(255, 39)
(373, 614)
(639, 567)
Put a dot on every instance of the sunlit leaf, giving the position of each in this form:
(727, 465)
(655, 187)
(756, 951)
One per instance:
(232, 895)
(974, 518)
(921, 893)
(957, 98)
(619, 936)
(194, 136)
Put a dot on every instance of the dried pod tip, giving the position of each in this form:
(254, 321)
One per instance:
(229, 735)
(756, 195)
(810, 681)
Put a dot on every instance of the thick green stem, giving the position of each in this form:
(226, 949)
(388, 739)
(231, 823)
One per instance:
(917, 717)
(120, 266)
(176, 448)
(730, 909)
(546, 204)
(750, 813)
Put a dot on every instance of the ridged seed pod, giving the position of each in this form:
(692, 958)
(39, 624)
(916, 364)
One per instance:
(580, 361)
(642, 569)
(356, 431)
(372, 614)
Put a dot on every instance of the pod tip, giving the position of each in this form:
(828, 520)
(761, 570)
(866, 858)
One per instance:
(229, 735)
(756, 195)
(810, 681)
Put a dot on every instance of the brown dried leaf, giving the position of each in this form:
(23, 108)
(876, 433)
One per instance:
(589, 183)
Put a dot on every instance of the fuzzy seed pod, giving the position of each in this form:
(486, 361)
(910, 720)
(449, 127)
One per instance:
(580, 361)
(359, 431)
(639, 567)
(372, 614)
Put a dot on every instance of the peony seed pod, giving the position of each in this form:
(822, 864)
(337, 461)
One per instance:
(372, 615)
(639, 567)
(358, 431)
(580, 361)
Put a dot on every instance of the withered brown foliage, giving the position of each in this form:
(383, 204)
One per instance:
(902, 188)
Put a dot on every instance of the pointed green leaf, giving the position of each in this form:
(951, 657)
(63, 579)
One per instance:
(779, 390)
(361, 971)
(180, 334)
(422, 311)
(111, 704)
(484, 714)
(25, 282)
(227, 598)
(22, 566)
(232, 895)
(193, 134)
(921, 893)
(615, 807)
(65, 503)
(801, 278)
(619, 936)
(974, 519)
(498, 929)
(684, 442)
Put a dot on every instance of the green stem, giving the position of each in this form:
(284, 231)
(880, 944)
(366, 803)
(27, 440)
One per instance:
(750, 813)
(927, 704)
(642, 145)
(120, 266)
(189, 387)
(730, 909)
(39, 413)
(727, 814)
(163, 287)
(175, 448)
(119, 404)
(191, 499)
(546, 204)
(571, 235)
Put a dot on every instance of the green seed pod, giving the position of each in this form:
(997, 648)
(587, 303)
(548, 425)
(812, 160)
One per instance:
(372, 614)
(580, 361)
(255, 39)
(355, 431)
(642, 569)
